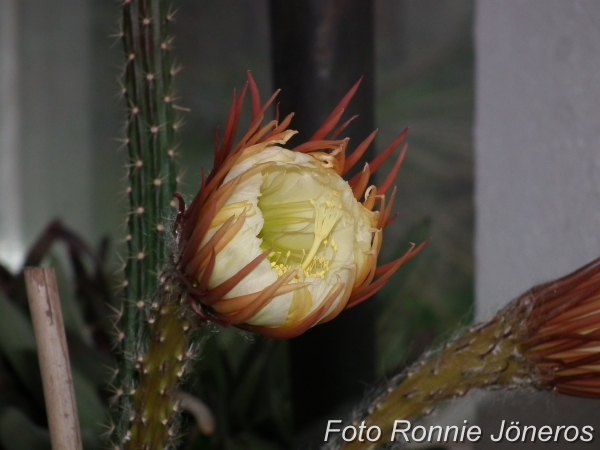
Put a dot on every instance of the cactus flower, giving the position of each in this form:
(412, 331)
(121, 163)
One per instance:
(277, 241)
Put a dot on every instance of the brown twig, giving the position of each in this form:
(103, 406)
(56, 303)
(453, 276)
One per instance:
(53, 355)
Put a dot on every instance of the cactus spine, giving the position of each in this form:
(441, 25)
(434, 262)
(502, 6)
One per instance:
(151, 172)
(154, 422)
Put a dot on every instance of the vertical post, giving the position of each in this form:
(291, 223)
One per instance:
(44, 121)
(53, 356)
(320, 49)
(11, 240)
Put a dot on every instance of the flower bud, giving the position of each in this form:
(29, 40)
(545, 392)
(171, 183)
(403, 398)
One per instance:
(562, 322)
(277, 241)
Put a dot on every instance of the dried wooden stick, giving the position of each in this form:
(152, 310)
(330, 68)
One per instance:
(53, 355)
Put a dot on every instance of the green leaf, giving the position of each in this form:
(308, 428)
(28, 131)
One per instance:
(17, 343)
(17, 432)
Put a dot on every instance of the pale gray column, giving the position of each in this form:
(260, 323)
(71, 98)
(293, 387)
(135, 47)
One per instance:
(45, 123)
(11, 239)
(537, 148)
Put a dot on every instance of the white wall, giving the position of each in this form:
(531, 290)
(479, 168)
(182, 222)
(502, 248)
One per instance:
(46, 158)
(537, 140)
(10, 116)
(537, 151)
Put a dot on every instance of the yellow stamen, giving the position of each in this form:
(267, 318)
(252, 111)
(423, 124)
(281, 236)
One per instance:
(326, 216)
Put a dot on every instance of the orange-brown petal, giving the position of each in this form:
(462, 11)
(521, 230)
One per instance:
(355, 156)
(335, 115)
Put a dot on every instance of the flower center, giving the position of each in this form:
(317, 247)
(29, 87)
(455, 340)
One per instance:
(300, 212)
(326, 216)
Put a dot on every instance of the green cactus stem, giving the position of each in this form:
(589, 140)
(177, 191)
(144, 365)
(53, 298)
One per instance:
(486, 356)
(545, 339)
(151, 126)
(154, 423)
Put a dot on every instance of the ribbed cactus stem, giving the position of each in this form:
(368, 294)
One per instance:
(151, 125)
(154, 424)
(485, 356)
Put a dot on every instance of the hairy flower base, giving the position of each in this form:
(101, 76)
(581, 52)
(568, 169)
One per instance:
(276, 241)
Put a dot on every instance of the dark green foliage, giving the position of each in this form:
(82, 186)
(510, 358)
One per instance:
(245, 382)
(86, 311)
(435, 190)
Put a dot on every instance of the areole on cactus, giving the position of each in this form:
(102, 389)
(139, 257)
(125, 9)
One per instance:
(276, 241)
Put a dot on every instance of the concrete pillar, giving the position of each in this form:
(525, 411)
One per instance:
(537, 151)
(10, 115)
(46, 158)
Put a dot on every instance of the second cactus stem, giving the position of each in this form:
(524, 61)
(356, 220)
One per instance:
(485, 356)
(154, 420)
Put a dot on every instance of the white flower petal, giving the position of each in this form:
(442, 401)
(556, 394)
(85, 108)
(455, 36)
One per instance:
(286, 199)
